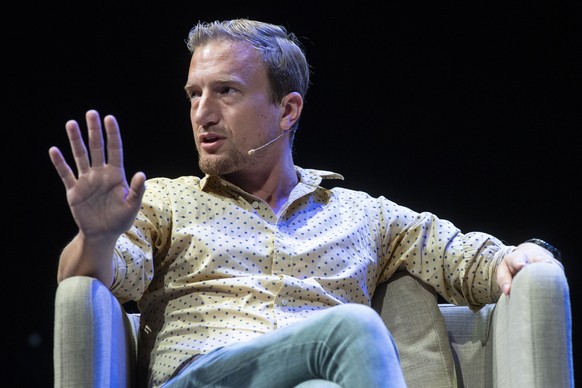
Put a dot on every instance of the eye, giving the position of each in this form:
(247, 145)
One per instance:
(226, 90)
(190, 94)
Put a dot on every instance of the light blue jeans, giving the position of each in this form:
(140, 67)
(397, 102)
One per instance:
(346, 346)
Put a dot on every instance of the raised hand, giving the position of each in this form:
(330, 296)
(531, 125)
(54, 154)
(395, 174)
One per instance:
(101, 201)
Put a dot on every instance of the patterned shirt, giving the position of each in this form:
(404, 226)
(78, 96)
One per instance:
(210, 264)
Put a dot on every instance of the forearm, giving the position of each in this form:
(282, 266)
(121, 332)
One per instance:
(82, 257)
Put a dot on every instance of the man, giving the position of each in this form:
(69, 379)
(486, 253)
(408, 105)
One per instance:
(256, 273)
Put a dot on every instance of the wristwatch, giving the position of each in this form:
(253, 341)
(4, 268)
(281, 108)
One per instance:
(547, 246)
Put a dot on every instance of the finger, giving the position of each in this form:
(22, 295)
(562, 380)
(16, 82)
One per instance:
(77, 146)
(63, 169)
(95, 138)
(507, 270)
(544, 258)
(114, 146)
(504, 278)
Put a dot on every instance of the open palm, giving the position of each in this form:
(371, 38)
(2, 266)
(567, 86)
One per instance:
(103, 204)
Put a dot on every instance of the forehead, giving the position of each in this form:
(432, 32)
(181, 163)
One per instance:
(226, 57)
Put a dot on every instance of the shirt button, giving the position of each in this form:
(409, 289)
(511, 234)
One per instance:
(255, 204)
(284, 302)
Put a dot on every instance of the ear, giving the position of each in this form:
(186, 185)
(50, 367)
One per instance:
(291, 107)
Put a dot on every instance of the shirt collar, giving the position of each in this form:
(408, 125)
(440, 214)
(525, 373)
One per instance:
(307, 176)
(313, 177)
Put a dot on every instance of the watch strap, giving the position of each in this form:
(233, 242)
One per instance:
(547, 246)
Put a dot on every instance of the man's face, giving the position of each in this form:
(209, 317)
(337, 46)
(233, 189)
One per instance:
(231, 108)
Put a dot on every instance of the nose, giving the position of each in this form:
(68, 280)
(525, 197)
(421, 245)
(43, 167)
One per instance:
(204, 111)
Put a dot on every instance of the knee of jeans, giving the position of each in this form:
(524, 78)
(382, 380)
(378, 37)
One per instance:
(359, 317)
(317, 383)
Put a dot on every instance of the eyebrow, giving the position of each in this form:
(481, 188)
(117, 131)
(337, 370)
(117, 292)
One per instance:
(219, 81)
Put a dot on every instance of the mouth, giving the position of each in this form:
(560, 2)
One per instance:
(211, 142)
(210, 137)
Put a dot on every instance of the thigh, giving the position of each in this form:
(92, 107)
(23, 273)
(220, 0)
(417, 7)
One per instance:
(341, 344)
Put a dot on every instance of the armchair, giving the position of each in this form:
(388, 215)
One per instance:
(523, 340)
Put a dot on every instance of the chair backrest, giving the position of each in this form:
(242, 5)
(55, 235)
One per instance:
(411, 313)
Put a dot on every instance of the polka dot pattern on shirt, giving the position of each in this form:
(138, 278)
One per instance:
(211, 264)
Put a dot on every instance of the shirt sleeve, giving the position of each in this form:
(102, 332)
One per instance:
(460, 266)
(146, 241)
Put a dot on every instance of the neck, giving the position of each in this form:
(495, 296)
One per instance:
(273, 185)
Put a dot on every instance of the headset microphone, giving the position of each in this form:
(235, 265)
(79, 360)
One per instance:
(253, 150)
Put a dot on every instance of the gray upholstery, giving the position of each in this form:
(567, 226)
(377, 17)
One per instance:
(522, 341)
(410, 311)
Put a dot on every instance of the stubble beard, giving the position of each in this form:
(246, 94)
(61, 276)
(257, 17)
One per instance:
(223, 164)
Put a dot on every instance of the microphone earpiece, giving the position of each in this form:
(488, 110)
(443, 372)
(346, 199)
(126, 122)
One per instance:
(253, 150)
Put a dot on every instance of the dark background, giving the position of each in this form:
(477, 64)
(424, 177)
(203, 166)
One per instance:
(471, 110)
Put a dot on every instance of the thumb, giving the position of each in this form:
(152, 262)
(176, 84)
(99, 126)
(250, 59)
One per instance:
(136, 189)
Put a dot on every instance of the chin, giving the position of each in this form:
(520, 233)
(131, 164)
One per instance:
(216, 165)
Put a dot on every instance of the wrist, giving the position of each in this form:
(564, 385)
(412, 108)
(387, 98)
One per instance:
(547, 246)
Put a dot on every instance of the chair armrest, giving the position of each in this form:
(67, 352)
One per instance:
(95, 342)
(532, 331)
(524, 340)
